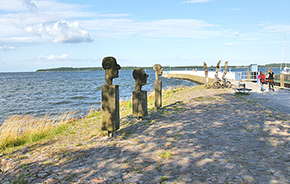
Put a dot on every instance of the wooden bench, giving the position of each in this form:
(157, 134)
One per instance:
(242, 89)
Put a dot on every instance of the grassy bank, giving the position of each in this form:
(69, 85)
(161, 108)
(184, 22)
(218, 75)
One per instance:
(18, 131)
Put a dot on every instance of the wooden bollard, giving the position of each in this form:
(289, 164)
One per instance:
(158, 85)
(139, 106)
(158, 94)
(110, 109)
(110, 97)
(139, 97)
(282, 81)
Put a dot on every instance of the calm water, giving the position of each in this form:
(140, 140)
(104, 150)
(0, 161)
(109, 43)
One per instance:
(38, 93)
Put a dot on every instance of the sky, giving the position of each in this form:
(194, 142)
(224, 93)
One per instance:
(40, 34)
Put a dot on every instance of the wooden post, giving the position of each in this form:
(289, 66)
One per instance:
(225, 71)
(110, 97)
(205, 73)
(282, 80)
(217, 70)
(158, 94)
(110, 108)
(139, 106)
(158, 85)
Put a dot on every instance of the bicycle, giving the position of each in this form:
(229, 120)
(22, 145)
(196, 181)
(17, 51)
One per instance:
(223, 84)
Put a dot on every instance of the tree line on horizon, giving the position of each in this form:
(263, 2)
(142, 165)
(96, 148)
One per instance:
(69, 69)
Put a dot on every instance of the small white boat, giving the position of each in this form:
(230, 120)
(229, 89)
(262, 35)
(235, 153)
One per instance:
(285, 70)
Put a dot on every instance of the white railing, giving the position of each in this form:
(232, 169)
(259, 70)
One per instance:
(211, 74)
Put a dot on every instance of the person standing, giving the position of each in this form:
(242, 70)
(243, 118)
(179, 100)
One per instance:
(271, 80)
(261, 78)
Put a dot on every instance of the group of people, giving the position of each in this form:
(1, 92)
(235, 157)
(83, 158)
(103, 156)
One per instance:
(262, 80)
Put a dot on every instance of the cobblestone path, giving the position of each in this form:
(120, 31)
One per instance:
(205, 136)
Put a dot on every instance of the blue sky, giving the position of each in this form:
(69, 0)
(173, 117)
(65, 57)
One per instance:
(38, 34)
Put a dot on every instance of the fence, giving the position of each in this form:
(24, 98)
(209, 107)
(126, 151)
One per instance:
(245, 76)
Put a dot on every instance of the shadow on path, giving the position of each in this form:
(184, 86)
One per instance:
(217, 139)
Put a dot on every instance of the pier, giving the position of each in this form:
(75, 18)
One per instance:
(197, 76)
(281, 80)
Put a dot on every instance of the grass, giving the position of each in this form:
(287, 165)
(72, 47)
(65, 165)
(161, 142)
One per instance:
(20, 130)
(165, 154)
(164, 178)
(17, 131)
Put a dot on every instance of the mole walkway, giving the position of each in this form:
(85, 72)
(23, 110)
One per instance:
(199, 136)
(278, 99)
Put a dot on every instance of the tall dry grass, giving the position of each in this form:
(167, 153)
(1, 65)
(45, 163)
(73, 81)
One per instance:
(19, 130)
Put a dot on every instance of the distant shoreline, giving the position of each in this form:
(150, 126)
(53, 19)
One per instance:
(66, 69)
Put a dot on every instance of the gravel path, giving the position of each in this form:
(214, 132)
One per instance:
(199, 136)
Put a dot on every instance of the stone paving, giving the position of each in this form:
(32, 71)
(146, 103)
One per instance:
(278, 99)
(202, 136)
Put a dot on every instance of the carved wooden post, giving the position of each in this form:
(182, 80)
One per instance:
(139, 97)
(217, 70)
(205, 73)
(282, 80)
(110, 97)
(158, 85)
(225, 71)
(110, 109)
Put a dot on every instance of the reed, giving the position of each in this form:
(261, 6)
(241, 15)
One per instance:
(19, 130)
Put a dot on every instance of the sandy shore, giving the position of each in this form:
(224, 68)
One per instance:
(198, 136)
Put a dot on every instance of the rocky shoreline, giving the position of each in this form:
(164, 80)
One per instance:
(199, 136)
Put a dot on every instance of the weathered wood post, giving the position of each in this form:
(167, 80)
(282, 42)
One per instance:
(225, 71)
(217, 70)
(158, 85)
(110, 97)
(282, 85)
(139, 97)
(224, 74)
(206, 74)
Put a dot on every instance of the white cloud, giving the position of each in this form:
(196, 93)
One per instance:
(234, 9)
(173, 28)
(22, 40)
(180, 28)
(16, 21)
(51, 24)
(7, 48)
(196, 1)
(11, 5)
(30, 5)
(278, 28)
(236, 33)
(36, 30)
(54, 57)
(61, 32)
(229, 44)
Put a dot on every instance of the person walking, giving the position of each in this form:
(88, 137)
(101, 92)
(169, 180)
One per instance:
(261, 78)
(271, 80)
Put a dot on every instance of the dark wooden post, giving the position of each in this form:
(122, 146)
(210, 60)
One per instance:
(158, 85)
(139, 105)
(110, 109)
(217, 70)
(205, 73)
(139, 97)
(158, 94)
(225, 71)
(282, 85)
(110, 97)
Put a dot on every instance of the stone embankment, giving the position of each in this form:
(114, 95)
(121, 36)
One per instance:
(191, 77)
(199, 136)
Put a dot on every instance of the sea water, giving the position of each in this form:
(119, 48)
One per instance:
(39, 93)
